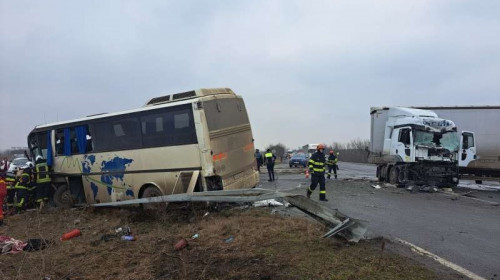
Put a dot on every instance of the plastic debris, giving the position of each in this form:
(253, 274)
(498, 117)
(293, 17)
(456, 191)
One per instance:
(195, 236)
(206, 214)
(267, 202)
(376, 187)
(181, 244)
(229, 239)
(128, 238)
(71, 234)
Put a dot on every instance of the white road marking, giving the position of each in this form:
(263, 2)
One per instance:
(440, 260)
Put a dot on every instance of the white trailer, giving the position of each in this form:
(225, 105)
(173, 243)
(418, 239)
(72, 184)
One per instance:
(414, 146)
(484, 121)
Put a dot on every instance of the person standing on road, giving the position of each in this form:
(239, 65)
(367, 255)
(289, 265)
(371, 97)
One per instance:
(317, 169)
(270, 159)
(258, 159)
(332, 164)
(42, 181)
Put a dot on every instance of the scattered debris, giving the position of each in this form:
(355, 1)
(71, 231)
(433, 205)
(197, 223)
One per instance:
(376, 187)
(450, 190)
(123, 230)
(181, 244)
(11, 245)
(36, 245)
(353, 231)
(128, 238)
(206, 214)
(71, 234)
(390, 185)
(229, 239)
(195, 236)
(76, 222)
(267, 202)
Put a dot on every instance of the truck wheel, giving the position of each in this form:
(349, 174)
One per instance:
(394, 176)
(62, 197)
(479, 182)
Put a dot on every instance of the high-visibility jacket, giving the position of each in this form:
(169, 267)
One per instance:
(332, 160)
(23, 182)
(317, 163)
(42, 173)
(270, 158)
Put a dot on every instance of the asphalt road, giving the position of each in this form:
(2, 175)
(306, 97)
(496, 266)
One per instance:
(463, 230)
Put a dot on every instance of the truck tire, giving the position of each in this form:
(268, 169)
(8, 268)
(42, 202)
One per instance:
(62, 197)
(394, 176)
(479, 182)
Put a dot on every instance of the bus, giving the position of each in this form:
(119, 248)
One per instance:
(186, 142)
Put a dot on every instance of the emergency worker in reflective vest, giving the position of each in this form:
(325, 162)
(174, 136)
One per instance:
(43, 184)
(317, 169)
(270, 158)
(23, 191)
(332, 164)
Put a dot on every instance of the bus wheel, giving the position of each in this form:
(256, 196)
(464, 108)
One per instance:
(62, 197)
(152, 191)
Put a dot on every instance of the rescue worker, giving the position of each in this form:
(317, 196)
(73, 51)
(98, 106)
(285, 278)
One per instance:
(332, 164)
(3, 193)
(258, 159)
(270, 158)
(317, 170)
(23, 190)
(42, 180)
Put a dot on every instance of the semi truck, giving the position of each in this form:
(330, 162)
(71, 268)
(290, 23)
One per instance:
(415, 146)
(484, 121)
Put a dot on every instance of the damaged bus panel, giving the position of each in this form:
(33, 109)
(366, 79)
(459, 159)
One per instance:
(180, 143)
(413, 146)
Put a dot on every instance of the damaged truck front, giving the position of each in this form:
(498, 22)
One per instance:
(413, 146)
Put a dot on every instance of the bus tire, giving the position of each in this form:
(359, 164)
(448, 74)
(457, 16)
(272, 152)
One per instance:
(62, 197)
(153, 191)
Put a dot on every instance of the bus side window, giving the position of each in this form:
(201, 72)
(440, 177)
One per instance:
(59, 142)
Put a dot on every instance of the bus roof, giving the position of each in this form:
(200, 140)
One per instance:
(157, 102)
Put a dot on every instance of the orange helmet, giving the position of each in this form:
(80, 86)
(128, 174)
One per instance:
(331, 152)
(320, 146)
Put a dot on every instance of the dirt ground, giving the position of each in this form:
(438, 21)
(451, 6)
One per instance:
(265, 246)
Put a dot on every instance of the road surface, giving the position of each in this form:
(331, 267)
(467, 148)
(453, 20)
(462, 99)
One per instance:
(463, 230)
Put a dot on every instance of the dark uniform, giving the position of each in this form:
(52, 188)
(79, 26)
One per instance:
(317, 169)
(258, 159)
(270, 158)
(332, 165)
(23, 191)
(42, 181)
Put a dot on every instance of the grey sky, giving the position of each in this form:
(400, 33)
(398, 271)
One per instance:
(308, 70)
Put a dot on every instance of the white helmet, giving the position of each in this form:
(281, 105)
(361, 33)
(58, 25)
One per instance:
(38, 158)
(28, 164)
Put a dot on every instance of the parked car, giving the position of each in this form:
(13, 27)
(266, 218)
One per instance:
(298, 160)
(16, 164)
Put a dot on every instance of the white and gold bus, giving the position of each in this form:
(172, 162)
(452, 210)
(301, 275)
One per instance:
(180, 143)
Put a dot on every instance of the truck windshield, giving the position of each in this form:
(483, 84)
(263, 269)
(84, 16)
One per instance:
(447, 140)
(424, 138)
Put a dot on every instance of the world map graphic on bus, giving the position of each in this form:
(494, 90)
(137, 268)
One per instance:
(116, 166)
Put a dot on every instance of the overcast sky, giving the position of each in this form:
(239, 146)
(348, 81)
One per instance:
(308, 70)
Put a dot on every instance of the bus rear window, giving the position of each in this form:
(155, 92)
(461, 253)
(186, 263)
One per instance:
(225, 113)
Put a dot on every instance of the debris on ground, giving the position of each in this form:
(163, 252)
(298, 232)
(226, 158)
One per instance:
(36, 245)
(376, 186)
(71, 234)
(181, 244)
(353, 231)
(11, 245)
(229, 239)
(267, 203)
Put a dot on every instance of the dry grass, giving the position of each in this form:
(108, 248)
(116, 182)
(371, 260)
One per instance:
(265, 246)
